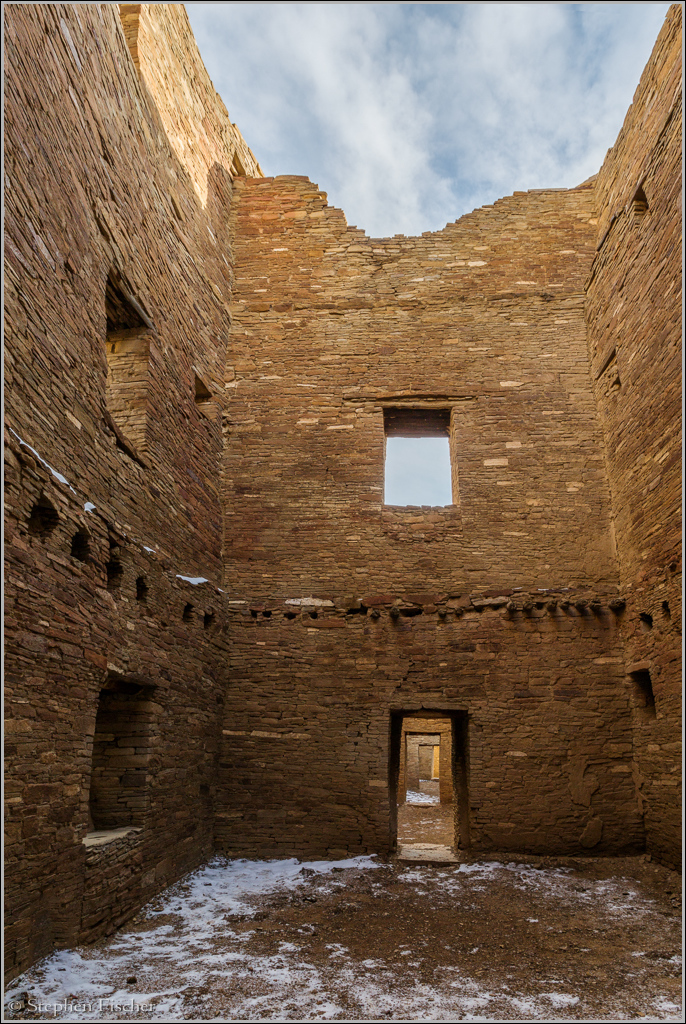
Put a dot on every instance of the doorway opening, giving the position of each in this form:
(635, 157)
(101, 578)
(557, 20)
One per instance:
(428, 783)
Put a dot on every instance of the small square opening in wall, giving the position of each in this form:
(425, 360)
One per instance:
(643, 696)
(204, 400)
(418, 469)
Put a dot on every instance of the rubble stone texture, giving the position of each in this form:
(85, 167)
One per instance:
(215, 628)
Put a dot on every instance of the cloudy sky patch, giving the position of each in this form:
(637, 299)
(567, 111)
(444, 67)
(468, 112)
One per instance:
(417, 471)
(409, 115)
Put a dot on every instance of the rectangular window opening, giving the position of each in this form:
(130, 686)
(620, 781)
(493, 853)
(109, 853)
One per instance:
(418, 468)
(643, 696)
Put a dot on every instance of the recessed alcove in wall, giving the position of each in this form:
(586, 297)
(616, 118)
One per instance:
(608, 378)
(43, 517)
(122, 745)
(80, 545)
(639, 203)
(643, 697)
(418, 468)
(204, 400)
(114, 567)
(128, 357)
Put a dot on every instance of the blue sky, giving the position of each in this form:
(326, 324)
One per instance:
(409, 115)
(417, 471)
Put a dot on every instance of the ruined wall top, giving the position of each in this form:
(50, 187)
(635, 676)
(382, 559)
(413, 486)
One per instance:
(655, 102)
(163, 48)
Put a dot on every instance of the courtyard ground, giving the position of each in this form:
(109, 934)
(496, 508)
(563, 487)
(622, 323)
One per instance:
(426, 823)
(360, 940)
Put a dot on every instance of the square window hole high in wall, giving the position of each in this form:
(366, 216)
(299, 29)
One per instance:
(418, 468)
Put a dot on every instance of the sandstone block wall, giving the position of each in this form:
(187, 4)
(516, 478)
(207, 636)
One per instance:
(332, 335)
(195, 120)
(104, 220)
(306, 760)
(484, 319)
(634, 320)
(69, 633)
(96, 196)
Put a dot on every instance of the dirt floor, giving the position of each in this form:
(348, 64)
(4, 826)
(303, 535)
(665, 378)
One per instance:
(426, 823)
(532, 939)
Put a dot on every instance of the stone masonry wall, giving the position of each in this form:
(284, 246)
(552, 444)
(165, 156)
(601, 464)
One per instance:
(70, 629)
(196, 122)
(102, 199)
(305, 759)
(110, 223)
(434, 608)
(484, 318)
(634, 318)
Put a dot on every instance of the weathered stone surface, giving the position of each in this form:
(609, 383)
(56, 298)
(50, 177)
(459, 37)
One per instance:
(95, 189)
(634, 336)
(590, 836)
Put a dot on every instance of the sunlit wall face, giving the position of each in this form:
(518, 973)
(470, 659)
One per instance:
(417, 471)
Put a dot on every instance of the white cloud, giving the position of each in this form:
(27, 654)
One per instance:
(410, 115)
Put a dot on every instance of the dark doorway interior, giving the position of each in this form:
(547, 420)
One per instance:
(429, 778)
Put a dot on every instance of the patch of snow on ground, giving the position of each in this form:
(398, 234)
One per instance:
(666, 1006)
(185, 959)
(414, 797)
(560, 998)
